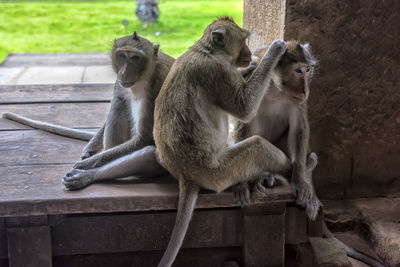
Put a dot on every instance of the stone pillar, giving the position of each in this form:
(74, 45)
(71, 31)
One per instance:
(265, 19)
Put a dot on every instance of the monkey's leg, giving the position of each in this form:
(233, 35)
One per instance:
(95, 144)
(242, 161)
(242, 191)
(139, 163)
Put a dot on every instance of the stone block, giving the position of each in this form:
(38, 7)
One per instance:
(329, 252)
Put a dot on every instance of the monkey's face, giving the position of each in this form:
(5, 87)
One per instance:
(295, 79)
(296, 69)
(244, 56)
(131, 64)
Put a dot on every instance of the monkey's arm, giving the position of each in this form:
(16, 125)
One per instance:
(247, 70)
(248, 95)
(95, 144)
(111, 154)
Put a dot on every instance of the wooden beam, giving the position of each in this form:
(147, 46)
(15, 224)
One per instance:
(29, 246)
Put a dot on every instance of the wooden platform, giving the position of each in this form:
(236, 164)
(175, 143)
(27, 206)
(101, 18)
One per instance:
(119, 222)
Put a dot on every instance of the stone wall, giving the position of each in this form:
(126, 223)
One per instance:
(355, 94)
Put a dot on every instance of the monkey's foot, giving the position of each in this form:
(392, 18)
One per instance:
(259, 189)
(312, 207)
(241, 194)
(304, 192)
(78, 179)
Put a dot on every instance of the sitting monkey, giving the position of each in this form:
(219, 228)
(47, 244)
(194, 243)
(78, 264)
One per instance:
(124, 145)
(282, 119)
(201, 90)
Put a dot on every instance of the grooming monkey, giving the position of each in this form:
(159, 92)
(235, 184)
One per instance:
(191, 120)
(126, 138)
(282, 119)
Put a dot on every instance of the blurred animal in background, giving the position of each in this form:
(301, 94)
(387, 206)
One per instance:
(147, 11)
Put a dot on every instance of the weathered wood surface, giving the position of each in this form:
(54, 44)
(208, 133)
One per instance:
(208, 228)
(60, 93)
(37, 190)
(65, 114)
(67, 59)
(32, 162)
(29, 245)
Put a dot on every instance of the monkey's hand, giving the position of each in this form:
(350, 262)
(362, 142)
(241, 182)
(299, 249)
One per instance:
(78, 179)
(241, 194)
(87, 154)
(94, 161)
(276, 50)
(253, 64)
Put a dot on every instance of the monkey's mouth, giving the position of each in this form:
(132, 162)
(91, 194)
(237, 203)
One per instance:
(243, 64)
(126, 84)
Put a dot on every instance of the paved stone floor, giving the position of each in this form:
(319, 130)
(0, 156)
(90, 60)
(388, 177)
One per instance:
(18, 69)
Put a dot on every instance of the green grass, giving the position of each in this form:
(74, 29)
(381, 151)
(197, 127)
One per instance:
(76, 26)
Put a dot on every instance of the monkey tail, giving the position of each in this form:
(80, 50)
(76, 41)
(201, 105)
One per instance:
(48, 127)
(188, 193)
(354, 253)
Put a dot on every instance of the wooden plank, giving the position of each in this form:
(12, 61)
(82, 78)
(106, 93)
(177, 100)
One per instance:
(58, 93)
(199, 257)
(296, 226)
(3, 241)
(75, 115)
(37, 190)
(37, 147)
(58, 59)
(264, 235)
(88, 234)
(30, 246)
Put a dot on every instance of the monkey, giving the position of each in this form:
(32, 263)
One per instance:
(282, 119)
(126, 137)
(191, 113)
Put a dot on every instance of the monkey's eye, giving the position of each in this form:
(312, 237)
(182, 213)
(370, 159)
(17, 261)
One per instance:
(135, 57)
(121, 55)
(298, 70)
(308, 69)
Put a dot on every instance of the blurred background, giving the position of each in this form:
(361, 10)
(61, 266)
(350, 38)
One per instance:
(91, 26)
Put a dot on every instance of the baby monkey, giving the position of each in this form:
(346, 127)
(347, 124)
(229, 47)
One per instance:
(282, 120)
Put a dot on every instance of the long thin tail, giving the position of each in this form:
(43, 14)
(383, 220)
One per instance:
(188, 193)
(354, 253)
(48, 127)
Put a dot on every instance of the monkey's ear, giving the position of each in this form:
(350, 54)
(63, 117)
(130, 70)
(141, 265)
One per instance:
(156, 48)
(218, 37)
(135, 36)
